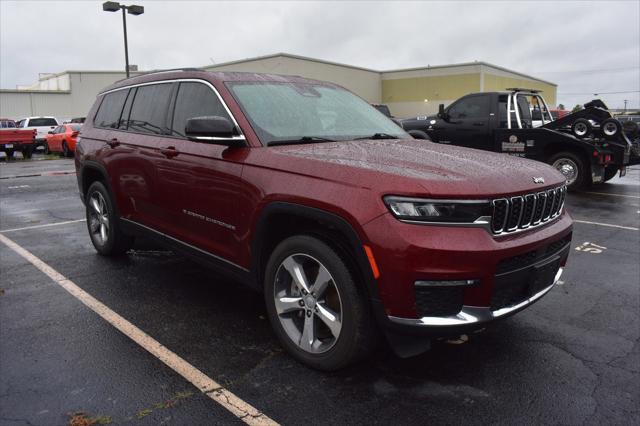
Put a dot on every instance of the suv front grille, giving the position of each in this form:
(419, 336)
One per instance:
(521, 212)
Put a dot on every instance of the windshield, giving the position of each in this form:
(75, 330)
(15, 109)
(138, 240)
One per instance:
(292, 111)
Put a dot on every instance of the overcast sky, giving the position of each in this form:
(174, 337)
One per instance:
(584, 47)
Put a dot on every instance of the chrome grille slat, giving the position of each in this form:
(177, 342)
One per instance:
(525, 211)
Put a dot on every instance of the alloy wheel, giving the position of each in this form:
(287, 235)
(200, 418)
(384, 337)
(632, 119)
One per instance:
(308, 303)
(98, 218)
(610, 129)
(581, 129)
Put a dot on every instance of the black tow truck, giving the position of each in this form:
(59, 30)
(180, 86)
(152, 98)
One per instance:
(588, 146)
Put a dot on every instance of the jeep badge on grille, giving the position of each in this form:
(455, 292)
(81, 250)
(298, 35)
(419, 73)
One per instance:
(538, 179)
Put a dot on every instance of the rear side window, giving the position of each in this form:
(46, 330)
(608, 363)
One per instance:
(149, 109)
(109, 112)
(76, 127)
(37, 122)
(194, 100)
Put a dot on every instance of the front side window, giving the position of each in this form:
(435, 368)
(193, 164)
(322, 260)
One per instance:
(194, 100)
(472, 107)
(75, 127)
(149, 109)
(109, 112)
(291, 111)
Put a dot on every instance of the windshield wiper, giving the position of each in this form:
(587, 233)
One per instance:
(378, 136)
(303, 139)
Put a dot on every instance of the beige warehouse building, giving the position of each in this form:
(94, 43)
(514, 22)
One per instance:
(407, 92)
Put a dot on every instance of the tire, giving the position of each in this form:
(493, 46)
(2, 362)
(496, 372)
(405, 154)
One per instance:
(103, 223)
(581, 128)
(65, 150)
(610, 172)
(611, 128)
(9, 153)
(419, 134)
(330, 348)
(573, 167)
(27, 152)
(46, 150)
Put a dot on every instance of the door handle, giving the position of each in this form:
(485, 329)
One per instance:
(113, 143)
(170, 151)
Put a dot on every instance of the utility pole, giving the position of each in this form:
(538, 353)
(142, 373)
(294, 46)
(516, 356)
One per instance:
(625, 105)
(113, 6)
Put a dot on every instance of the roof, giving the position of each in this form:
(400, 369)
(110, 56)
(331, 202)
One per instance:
(220, 76)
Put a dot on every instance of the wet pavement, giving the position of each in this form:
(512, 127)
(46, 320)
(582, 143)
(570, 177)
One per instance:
(572, 358)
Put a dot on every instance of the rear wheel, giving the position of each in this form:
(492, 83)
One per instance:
(65, 149)
(102, 222)
(581, 128)
(9, 154)
(572, 167)
(27, 152)
(314, 305)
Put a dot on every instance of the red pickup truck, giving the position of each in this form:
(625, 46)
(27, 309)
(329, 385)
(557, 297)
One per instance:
(13, 139)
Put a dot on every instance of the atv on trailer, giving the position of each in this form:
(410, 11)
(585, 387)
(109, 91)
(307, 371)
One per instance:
(518, 122)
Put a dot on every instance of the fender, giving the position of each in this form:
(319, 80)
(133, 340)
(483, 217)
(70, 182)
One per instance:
(102, 171)
(331, 219)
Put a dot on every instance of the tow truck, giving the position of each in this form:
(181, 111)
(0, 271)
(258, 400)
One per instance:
(518, 122)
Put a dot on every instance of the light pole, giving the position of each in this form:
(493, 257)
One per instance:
(625, 105)
(114, 6)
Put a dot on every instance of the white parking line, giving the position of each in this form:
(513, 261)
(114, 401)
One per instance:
(46, 225)
(239, 408)
(607, 224)
(612, 195)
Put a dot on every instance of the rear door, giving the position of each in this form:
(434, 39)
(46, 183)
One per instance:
(467, 123)
(201, 181)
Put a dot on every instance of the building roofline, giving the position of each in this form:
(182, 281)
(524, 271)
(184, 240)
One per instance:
(290, 55)
(55, 92)
(466, 64)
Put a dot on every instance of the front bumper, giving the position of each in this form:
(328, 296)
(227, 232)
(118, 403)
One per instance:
(474, 315)
(509, 273)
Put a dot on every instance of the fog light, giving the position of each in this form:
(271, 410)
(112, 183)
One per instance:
(447, 283)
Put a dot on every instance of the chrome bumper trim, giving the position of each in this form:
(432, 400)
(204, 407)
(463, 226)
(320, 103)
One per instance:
(474, 314)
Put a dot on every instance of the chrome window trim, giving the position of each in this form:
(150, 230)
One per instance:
(186, 80)
(474, 314)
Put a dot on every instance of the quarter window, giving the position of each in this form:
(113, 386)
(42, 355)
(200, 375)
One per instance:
(473, 107)
(194, 100)
(109, 112)
(149, 109)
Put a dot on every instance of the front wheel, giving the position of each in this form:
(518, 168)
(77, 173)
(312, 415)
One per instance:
(572, 167)
(315, 306)
(102, 222)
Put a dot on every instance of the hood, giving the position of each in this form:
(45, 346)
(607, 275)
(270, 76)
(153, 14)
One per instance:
(419, 167)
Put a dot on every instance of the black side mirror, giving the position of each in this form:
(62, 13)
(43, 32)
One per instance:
(213, 129)
(50, 132)
(441, 113)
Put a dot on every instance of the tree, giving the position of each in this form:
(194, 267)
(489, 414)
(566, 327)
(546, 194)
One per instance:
(561, 107)
(576, 108)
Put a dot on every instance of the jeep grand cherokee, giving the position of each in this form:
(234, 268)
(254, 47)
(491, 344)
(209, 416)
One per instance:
(305, 192)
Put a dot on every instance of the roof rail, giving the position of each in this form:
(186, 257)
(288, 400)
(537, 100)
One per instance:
(520, 89)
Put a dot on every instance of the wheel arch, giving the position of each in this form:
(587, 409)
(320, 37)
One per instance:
(91, 172)
(280, 220)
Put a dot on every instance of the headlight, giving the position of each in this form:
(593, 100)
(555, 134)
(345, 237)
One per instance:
(449, 211)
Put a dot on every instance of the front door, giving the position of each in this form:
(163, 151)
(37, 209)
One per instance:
(200, 180)
(467, 123)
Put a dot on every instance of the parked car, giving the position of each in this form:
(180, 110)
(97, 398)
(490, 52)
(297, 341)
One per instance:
(347, 226)
(42, 126)
(63, 139)
(13, 139)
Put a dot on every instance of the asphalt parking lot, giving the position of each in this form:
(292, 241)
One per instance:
(572, 358)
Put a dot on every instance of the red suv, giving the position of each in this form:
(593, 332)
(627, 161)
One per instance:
(307, 193)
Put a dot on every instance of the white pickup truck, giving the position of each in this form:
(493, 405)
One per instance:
(42, 125)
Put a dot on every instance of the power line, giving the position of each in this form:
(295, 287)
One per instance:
(600, 93)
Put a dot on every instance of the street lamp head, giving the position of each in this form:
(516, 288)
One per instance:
(135, 10)
(111, 6)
